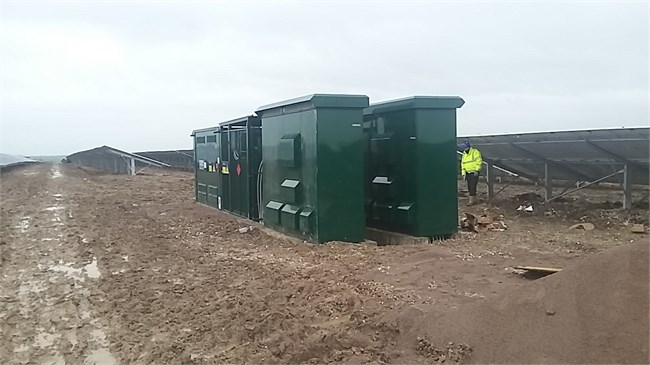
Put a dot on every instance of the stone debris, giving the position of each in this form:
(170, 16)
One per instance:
(472, 223)
(637, 228)
(528, 208)
(583, 226)
(246, 229)
(450, 354)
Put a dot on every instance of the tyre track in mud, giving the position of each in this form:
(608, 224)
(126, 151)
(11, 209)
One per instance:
(49, 284)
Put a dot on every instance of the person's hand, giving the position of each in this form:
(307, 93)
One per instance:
(464, 177)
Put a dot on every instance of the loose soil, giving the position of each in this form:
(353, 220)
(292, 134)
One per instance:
(110, 269)
(595, 312)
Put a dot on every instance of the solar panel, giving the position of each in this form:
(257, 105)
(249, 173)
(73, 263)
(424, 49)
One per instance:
(11, 160)
(573, 155)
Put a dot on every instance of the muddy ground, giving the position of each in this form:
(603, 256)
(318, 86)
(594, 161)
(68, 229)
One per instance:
(104, 269)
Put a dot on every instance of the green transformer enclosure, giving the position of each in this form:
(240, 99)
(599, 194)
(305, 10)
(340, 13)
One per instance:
(411, 166)
(313, 167)
(207, 181)
(239, 163)
(227, 166)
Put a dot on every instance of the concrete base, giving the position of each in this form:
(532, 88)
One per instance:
(393, 238)
(374, 236)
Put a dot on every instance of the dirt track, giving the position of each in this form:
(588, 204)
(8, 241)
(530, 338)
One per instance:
(50, 298)
(115, 269)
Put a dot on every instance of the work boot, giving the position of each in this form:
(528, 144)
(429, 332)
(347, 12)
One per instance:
(472, 200)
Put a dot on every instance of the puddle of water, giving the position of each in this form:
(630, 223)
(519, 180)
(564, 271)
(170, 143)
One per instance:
(56, 173)
(23, 225)
(68, 271)
(100, 357)
(57, 207)
(92, 270)
(44, 340)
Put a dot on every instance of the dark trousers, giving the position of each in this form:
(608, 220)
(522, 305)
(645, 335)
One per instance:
(472, 182)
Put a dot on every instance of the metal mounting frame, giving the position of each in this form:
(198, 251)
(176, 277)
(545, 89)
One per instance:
(131, 158)
(587, 156)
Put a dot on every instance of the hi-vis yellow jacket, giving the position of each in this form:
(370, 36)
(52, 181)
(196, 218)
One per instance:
(472, 161)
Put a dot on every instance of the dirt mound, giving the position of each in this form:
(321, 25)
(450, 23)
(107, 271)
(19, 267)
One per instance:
(594, 312)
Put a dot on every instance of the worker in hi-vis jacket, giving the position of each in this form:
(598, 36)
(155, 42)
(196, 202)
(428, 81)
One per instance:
(470, 166)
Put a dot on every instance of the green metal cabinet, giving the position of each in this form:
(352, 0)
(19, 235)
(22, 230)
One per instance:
(240, 158)
(226, 169)
(313, 167)
(410, 166)
(207, 179)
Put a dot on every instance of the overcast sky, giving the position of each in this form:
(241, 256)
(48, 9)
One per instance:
(142, 76)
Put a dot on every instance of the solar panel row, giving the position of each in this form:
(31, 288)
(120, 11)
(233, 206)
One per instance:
(11, 160)
(572, 155)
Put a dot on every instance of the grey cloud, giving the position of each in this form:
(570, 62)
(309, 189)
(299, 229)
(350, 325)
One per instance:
(141, 76)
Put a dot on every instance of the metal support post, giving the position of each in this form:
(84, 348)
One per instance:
(490, 179)
(132, 167)
(548, 183)
(627, 188)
